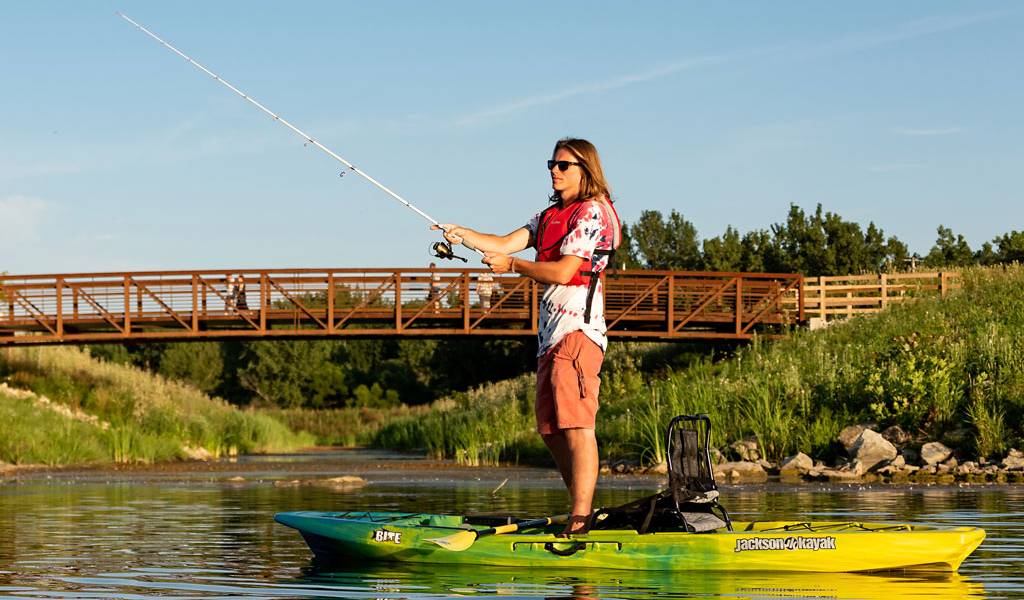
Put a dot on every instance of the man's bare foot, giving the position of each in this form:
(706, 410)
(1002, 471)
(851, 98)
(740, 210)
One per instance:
(577, 524)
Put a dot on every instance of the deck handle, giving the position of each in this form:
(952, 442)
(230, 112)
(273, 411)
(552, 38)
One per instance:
(576, 547)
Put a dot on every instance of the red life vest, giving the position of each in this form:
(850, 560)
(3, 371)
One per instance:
(554, 225)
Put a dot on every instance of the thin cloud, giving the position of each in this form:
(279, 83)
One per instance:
(909, 31)
(851, 43)
(604, 86)
(922, 132)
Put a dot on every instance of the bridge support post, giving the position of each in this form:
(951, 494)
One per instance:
(127, 305)
(330, 303)
(739, 306)
(670, 312)
(195, 304)
(465, 301)
(398, 301)
(60, 307)
(264, 301)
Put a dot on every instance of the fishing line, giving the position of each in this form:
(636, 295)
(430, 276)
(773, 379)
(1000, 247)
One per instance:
(447, 254)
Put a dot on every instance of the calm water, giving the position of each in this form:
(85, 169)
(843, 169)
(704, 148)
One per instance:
(199, 534)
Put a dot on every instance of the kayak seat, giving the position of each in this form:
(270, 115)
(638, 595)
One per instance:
(691, 501)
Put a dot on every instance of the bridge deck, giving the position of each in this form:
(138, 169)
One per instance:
(318, 303)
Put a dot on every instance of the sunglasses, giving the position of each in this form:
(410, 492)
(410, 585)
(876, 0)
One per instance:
(563, 165)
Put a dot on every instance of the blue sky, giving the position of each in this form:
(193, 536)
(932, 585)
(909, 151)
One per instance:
(116, 154)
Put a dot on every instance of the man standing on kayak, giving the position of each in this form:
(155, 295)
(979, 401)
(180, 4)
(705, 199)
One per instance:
(574, 239)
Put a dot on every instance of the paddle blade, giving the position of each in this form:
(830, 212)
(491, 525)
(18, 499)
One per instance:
(456, 542)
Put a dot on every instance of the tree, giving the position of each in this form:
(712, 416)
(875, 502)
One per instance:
(1011, 247)
(723, 253)
(291, 374)
(199, 363)
(949, 251)
(625, 256)
(670, 244)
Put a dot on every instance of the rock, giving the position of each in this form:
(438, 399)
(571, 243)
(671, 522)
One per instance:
(287, 483)
(624, 466)
(848, 436)
(236, 479)
(909, 468)
(658, 469)
(767, 466)
(856, 466)
(951, 462)
(798, 463)
(933, 453)
(1014, 460)
(871, 449)
(747, 450)
(343, 482)
(741, 471)
(899, 462)
(839, 476)
(716, 456)
(895, 435)
(197, 453)
(966, 468)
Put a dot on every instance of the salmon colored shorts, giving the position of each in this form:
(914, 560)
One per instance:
(568, 380)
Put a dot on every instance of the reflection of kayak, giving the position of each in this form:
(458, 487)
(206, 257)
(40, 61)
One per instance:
(758, 546)
(404, 580)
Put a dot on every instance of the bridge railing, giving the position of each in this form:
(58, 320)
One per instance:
(177, 305)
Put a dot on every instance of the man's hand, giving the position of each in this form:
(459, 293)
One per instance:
(499, 263)
(453, 233)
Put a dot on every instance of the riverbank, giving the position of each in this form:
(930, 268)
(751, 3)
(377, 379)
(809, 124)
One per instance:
(947, 370)
(60, 406)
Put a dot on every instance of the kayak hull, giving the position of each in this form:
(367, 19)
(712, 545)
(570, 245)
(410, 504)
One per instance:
(755, 546)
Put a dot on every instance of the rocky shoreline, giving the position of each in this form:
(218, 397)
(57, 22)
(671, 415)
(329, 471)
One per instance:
(868, 456)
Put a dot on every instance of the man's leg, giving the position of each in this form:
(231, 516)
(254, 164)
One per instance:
(582, 444)
(559, 449)
(575, 453)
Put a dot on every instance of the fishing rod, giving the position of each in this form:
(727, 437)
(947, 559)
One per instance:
(441, 249)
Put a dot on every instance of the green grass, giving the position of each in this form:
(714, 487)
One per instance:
(344, 426)
(931, 366)
(129, 415)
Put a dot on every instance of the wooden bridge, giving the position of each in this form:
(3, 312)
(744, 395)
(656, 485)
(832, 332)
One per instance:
(326, 303)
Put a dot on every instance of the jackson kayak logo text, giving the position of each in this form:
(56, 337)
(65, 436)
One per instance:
(796, 542)
(383, 535)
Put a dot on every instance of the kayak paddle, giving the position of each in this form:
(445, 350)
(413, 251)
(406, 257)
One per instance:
(457, 542)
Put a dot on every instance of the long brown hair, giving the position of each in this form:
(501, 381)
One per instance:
(593, 183)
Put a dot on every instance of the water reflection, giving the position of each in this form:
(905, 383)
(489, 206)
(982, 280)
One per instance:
(205, 535)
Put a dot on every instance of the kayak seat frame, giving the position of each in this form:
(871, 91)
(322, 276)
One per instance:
(691, 501)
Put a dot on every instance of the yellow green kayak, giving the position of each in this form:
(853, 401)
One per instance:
(826, 546)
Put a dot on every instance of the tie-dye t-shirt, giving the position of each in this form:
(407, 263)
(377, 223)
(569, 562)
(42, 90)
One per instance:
(562, 306)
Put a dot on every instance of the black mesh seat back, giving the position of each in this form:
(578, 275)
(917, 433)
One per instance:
(689, 473)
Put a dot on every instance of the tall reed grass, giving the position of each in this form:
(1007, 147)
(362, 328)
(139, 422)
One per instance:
(145, 417)
(931, 366)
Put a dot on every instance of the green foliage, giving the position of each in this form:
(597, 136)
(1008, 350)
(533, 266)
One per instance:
(949, 250)
(912, 384)
(111, 412)
(930, 366)
(34, 434)
(294, 373)
(199, 363)
(666, 244)
(723, 253)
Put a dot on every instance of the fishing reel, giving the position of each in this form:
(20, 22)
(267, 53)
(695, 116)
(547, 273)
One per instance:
(444, 250)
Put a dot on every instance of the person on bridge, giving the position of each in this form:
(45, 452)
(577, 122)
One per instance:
(574, 239)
